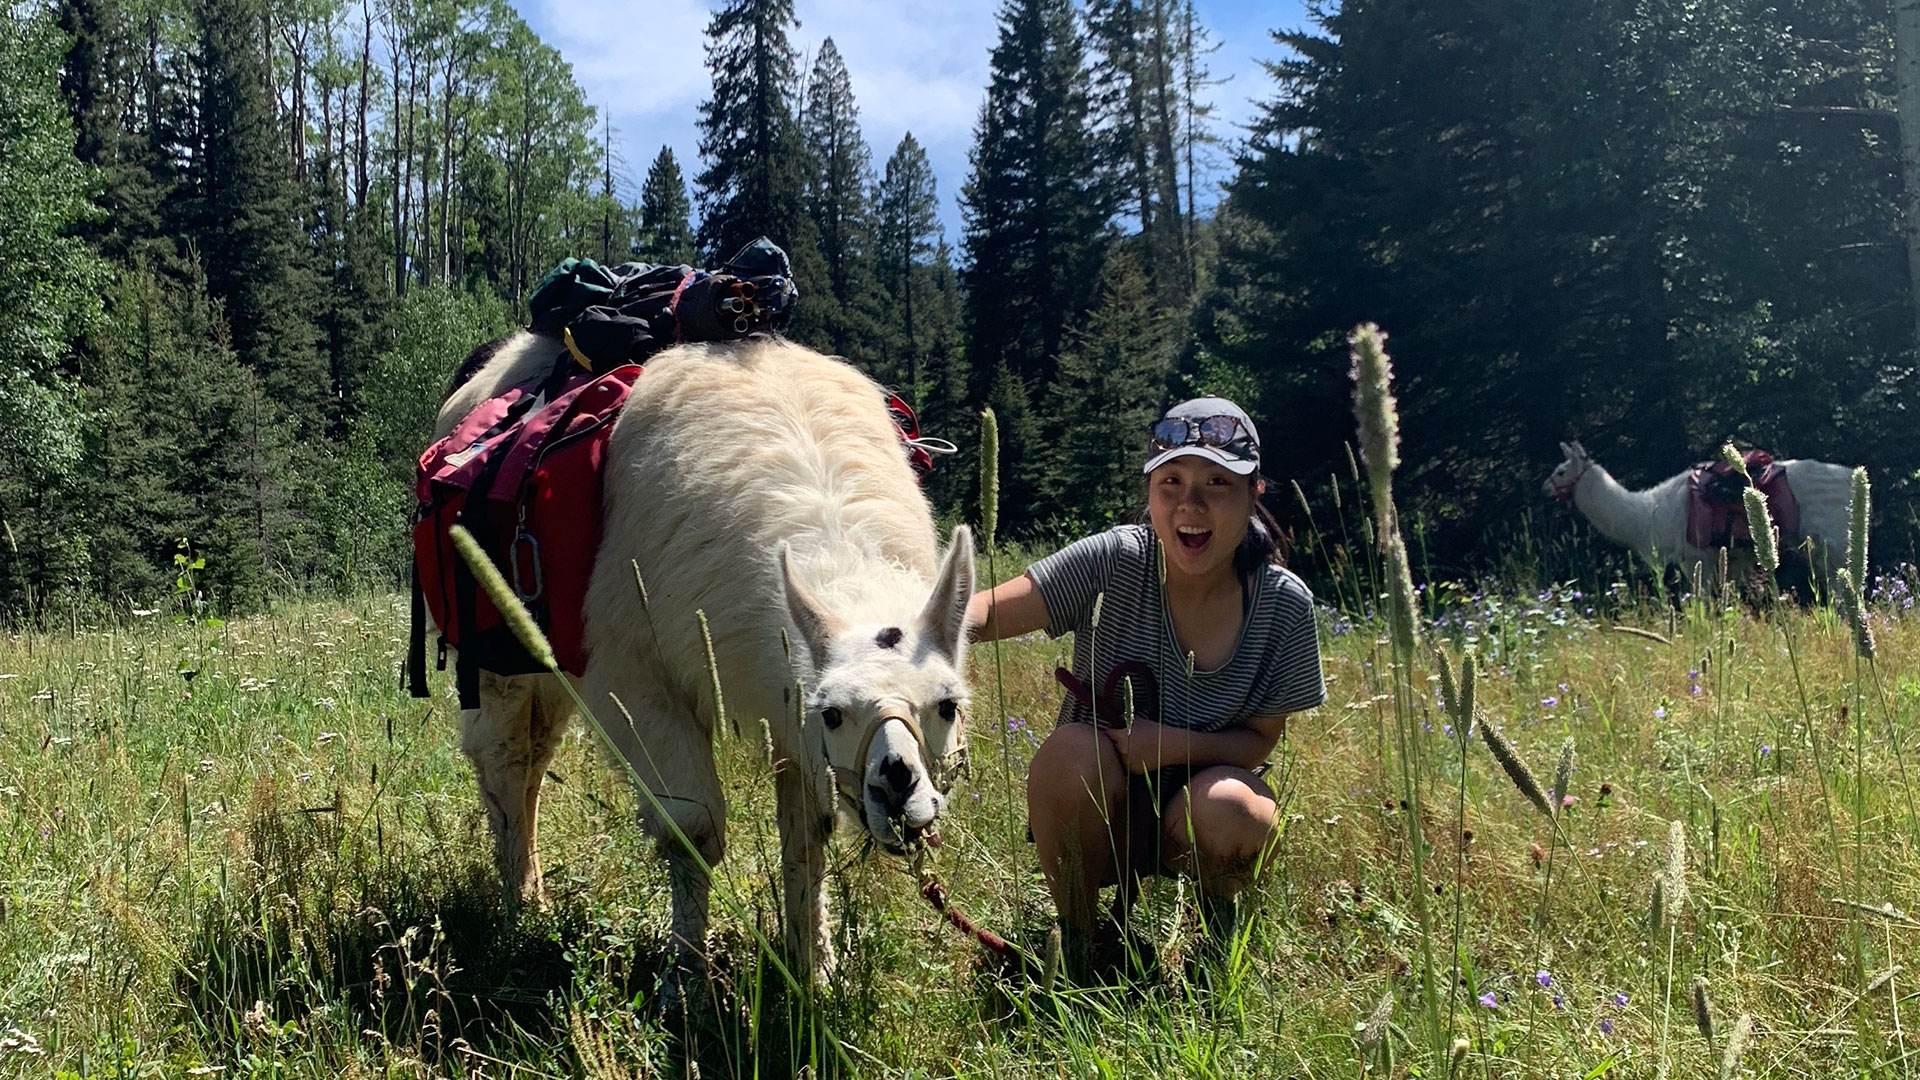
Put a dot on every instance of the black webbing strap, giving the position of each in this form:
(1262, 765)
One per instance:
(415, 678)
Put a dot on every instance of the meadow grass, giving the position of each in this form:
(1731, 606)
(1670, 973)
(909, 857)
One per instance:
(242, 850)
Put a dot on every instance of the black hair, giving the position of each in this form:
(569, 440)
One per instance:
(1264, 542)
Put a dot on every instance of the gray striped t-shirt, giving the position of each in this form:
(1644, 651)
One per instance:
(1275, 667)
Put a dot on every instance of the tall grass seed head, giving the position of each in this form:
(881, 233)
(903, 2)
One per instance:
(1375, 408)
(1449, 691)
(1676, 869)
(1766, 541)
(1563, 775)
(1516, 768)
(1736, 1046)
(1732, 456)
(1406, 613)
(1859, 523)
(1863, 640)
(989, 477)
(517, 617)
(1374, 1027)
(713, 672)
(1702, 1008)
(1469, 664)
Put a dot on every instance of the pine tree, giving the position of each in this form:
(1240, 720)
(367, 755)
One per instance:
(842, 175)
(250, 235)
(96, 79)
(665, 236)
(1034, 206)
(755, 180)
(907, 232)
(1111, 382)
(754, 183)
(1035, 227)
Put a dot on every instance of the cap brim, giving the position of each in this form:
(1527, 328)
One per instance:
(1235, 465)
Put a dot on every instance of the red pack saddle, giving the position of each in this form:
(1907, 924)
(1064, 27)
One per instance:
(1716, 510)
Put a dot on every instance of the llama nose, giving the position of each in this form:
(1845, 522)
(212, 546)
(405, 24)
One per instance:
(896, 786)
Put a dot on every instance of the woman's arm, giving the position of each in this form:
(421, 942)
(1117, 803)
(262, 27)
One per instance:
(1146, 745)
(1006, 610)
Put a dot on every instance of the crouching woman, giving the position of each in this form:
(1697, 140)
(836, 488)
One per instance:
(1195, 610)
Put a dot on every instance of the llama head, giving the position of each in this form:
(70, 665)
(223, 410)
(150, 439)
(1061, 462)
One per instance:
(1567, 475)
(888, 703)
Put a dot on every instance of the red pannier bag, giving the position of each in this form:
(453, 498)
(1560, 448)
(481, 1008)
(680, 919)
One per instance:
(525, 480)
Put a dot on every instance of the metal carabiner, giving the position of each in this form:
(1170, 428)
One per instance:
(522, 536)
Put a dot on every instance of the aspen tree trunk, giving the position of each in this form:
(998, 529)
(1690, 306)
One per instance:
(1906, 49)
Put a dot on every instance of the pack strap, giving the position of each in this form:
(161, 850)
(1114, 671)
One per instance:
(415, 679)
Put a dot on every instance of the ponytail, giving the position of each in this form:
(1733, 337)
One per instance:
(1263, 543)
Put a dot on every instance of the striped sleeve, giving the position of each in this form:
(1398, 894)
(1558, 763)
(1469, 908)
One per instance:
(1292, 681)
(1070, 578)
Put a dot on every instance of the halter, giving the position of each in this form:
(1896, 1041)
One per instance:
(942, 771)
(1564, 492)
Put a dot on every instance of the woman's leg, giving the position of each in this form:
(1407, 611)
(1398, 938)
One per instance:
(1216, 829)
(1076, 790)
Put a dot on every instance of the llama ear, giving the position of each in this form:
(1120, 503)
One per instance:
(817, 626)
(1567, 451)
(1579, 452)
(944, 619)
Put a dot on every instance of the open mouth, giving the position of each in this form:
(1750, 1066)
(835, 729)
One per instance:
(1194, 539)
(907, 838)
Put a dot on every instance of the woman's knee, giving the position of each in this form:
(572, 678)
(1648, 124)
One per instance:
(1225, 813)
(1075, 764)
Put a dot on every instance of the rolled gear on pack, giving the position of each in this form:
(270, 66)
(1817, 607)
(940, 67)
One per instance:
(624, 314)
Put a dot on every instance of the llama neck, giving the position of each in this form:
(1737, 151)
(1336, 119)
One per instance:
(1619, 514)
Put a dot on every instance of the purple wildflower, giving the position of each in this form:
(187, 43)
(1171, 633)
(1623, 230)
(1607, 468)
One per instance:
(1557, 1002)
(1543, 977)
(1621, 999)
(1765, 749)
(1487, 999)
(1549, 701)
(1606, 1027)
(1660, 712)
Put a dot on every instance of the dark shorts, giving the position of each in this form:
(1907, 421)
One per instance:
(1148, 797)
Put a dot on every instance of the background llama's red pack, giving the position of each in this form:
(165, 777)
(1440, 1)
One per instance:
(526, 482)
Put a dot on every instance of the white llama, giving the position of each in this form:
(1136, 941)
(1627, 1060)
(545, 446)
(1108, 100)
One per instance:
(1653, 522)
(762, 483)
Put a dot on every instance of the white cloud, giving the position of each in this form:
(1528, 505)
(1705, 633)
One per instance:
(916, 66)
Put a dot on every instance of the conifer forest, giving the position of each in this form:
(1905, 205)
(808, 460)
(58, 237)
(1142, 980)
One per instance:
(246, 241)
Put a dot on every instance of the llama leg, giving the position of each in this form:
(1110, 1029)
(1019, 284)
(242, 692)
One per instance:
(803, 869)
(681, 807)
(692, 892)
(496, 738)
(551, 711)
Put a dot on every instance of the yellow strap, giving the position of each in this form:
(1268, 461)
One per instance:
(566, 335)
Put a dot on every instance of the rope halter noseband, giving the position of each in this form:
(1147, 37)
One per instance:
(1564, 492)
(941, 771)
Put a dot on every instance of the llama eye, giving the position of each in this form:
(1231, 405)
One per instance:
(832, 716)
(949, 709)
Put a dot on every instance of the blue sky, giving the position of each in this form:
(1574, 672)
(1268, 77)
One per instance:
(917, 66)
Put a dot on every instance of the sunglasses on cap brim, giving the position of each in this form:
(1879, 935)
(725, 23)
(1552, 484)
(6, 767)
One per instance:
(1221, 431)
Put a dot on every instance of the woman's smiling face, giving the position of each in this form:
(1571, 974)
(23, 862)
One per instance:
(1200, 512)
